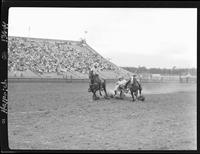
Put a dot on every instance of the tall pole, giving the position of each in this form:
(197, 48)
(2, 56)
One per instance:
(85, 32)
(29, 30)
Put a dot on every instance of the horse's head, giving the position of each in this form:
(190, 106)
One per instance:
(134, 86)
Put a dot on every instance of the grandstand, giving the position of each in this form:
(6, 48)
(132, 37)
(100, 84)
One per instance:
(47, 58)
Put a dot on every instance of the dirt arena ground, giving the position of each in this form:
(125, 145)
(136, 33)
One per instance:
(63, 116)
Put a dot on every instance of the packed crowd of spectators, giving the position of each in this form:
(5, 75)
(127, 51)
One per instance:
(46, 56)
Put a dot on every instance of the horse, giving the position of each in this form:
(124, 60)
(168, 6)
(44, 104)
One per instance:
(134, 88)
(97, 84)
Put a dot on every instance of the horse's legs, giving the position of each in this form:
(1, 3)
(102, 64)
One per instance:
(95, 96)
(115, 92)
(136, 94)
(132, 95)
(120, 93)
(104, 88)
(140, 91)
(100, 90)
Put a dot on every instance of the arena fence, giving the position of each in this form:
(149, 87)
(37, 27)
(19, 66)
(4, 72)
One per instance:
(71, 80)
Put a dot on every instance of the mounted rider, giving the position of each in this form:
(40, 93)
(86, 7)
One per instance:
(133, 80)
(95, 69)
(96, 72)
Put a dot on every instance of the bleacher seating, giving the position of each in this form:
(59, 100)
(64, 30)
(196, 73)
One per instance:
(46, 56)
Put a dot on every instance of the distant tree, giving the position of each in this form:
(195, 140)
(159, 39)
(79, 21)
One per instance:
(163, 71)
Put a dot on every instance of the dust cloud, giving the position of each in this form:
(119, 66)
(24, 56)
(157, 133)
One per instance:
(160, 88)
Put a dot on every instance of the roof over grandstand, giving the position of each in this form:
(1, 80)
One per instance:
(47, 39)
(127, 36)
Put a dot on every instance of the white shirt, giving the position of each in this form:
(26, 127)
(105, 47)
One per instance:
(122, 82)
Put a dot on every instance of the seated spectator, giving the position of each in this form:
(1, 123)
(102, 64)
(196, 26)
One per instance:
(42, 56)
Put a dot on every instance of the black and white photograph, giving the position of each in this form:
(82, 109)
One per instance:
(102, 78)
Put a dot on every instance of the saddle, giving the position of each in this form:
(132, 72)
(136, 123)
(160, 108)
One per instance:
(98, 78)
(134, 85)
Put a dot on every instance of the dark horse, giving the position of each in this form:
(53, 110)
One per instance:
(134, 88)
(97, 84)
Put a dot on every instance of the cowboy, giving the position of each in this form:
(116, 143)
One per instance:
(120, 84)
(95, 71)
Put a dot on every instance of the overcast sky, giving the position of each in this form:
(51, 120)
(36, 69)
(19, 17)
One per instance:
(150, 37)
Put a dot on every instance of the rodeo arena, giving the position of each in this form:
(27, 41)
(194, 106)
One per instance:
(63, 95)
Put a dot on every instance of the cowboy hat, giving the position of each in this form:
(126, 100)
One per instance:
(121, 77)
